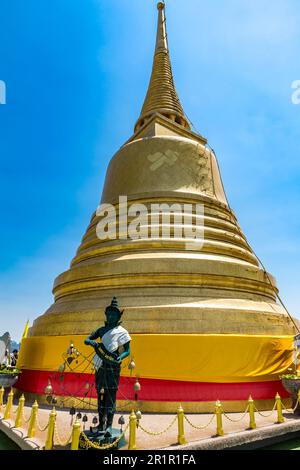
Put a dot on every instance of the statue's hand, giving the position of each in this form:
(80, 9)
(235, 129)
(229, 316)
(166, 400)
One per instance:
(92, 343)
(118, 360)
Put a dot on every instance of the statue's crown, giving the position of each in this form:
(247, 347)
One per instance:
(114, 302)
(114, 306)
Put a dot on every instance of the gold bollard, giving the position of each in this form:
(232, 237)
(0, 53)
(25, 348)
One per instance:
(18, 422)
(252, 423)
(50, 434)
(33, 418)
(280, 418)
(1, 397)
(219, 412)
(132, 431)
(8, 405)
(180, 416)
(75, 435)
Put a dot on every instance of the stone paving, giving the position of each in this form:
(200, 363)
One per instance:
(234, 424)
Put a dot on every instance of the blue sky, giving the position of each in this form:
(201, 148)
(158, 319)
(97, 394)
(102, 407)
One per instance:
(76, 73)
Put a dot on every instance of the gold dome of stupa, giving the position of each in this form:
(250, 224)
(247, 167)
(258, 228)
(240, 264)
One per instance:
(215, 303)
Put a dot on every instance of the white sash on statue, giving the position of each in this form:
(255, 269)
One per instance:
(112, 340)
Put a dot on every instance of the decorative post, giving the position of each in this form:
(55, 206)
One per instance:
(132, 431)
(50, 434)
(252, 423)
(75, 435)
(9, 405)
(180, 416)
(33, 418)
(280, 418)
(1, 397)
(18, 422)
(218, 413)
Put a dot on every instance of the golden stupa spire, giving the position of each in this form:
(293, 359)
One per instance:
(161, 96)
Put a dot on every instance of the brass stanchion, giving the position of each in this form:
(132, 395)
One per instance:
(252, 423)
(298, 401)
(280, 418)
(18, 422)
(1, 397)
(75, 435)
(50, 434)
(9, 405)
(33, 418)
(218, 412)
(180, 416)
(132, 431)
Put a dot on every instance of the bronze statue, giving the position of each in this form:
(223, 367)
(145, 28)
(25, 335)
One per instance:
(114, 347)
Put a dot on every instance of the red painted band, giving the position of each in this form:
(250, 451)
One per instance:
(74, 384)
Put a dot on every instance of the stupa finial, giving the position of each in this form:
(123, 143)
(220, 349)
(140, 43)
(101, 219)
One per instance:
(161, 36)
(161, 95)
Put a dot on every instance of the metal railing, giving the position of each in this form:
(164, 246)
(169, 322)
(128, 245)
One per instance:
(78, 438)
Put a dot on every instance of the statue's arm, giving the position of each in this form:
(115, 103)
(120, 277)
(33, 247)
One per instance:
(90, 340)
(125, 353)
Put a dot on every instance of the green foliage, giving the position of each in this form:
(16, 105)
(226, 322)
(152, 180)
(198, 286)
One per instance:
(9, 370)
(290, 376)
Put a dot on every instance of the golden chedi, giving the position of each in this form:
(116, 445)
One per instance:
(204, 320)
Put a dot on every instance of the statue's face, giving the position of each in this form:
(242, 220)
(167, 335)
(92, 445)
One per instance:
(112, 317)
